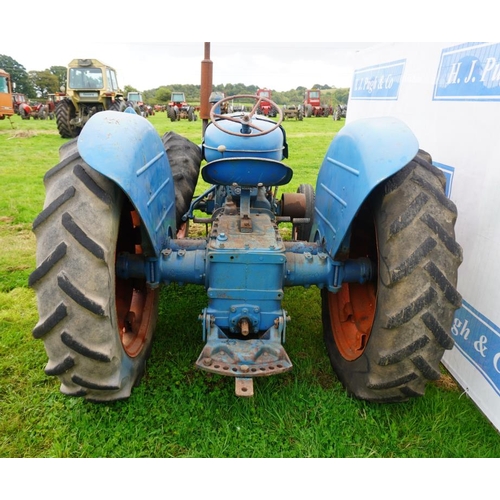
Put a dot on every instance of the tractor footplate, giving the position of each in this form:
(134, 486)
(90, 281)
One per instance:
(244, 358)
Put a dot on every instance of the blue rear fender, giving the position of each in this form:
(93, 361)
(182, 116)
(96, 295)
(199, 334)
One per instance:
(362, 155)
(127, 149)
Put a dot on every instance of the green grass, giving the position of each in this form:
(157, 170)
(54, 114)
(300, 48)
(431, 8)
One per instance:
(178, 411)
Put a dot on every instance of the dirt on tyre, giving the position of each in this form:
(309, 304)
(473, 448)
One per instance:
(97, 329)
(386, 338)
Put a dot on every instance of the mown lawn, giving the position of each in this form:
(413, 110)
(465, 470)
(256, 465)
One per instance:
(178, 411)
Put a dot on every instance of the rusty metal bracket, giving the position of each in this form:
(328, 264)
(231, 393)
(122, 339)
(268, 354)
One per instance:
(244, 387)
(243, 359)
(245, 220)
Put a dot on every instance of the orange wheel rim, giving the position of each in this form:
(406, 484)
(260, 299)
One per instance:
(352, 312)
(135, 301)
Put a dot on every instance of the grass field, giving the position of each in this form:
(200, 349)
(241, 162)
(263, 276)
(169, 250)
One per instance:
(178, 411)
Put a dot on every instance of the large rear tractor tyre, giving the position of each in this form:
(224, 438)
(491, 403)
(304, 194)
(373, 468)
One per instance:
(65, 112)
(185, 159)
(97, 328)
(24, 113)
(173, 113)
(386, 338)
(119, 105)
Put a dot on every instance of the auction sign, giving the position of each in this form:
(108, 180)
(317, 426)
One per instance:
(448, 93)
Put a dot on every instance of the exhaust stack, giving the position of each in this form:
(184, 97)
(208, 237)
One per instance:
(206, 87)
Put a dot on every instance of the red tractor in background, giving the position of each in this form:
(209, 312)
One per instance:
(21, 105)
(52, 100)
(312, 104)
(178, 108)
(265, 107)
(41, 110)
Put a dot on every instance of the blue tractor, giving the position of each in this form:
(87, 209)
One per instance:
(376, 235)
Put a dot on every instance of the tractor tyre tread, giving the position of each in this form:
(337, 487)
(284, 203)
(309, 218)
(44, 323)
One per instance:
(185, 159)
(172, 113)
(63, 112)
(74, 282)
(119, 105)
(416, 292)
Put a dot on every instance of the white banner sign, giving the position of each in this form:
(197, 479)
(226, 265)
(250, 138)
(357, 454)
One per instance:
(448, 93)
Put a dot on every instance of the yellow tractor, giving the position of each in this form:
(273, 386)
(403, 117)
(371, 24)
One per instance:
(91, 87)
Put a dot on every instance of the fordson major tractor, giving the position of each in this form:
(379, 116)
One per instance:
(375, 235)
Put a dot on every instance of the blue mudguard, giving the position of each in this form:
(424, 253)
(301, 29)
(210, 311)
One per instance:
(126, 148)
(362, 155)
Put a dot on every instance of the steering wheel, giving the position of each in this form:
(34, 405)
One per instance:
(246, 119)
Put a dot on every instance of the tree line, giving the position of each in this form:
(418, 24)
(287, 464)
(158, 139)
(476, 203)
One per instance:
(38, 84)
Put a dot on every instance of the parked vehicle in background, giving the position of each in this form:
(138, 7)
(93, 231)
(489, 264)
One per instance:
(6, 104)
(264, 107)
(21, 105)
(312, 104)
(52, 100)
(339, 112)
(135, 100)
(179, 109)
(292, 112)
(92, 86)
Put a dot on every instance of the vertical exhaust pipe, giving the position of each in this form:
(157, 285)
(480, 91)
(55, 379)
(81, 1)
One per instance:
(206, 87)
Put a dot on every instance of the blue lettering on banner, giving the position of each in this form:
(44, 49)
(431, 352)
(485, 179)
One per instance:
(478, 339)
(449, 173)
(469, 72)
(379, 82)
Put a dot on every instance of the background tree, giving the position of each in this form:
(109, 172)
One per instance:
(61, 73)
(18, 75)
(342, 95)
(127, 89)
(160, 96)
(44, 82)
(321, 87)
